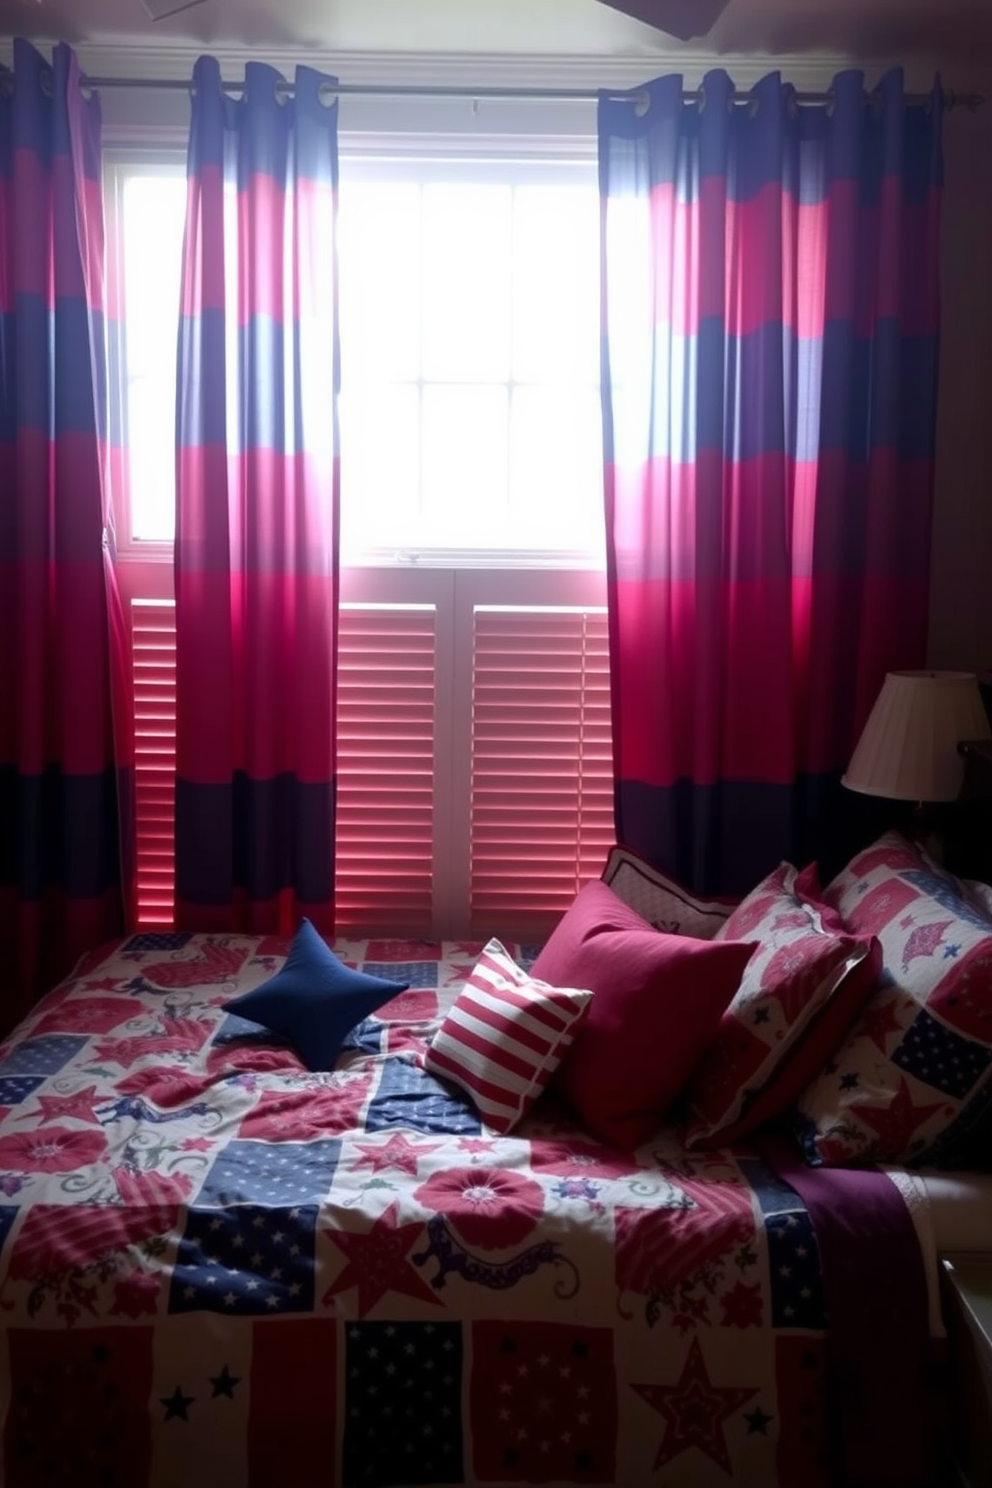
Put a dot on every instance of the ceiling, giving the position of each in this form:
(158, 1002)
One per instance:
(954, 31)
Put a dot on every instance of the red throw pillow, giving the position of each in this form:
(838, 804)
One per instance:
(800, 994)
(657, 1001)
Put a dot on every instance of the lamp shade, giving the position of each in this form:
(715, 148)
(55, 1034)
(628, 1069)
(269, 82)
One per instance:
(908, 750)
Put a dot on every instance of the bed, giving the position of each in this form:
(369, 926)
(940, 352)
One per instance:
(219, 1267)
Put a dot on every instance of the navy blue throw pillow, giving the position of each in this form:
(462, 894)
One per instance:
(315, 1000)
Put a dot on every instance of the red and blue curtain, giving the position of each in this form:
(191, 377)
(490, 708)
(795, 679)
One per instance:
(256, 553)
(66, 868)
(65, 818)
(770, 311)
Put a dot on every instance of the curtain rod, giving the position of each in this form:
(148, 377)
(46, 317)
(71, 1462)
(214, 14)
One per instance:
(952, 99)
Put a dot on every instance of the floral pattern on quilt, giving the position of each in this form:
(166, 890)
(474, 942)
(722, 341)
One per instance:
(214, 1261)
(915, 1073)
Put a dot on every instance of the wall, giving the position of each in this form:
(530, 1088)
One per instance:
(961, 571)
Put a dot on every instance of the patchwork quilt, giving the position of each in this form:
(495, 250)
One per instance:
(217, 1267)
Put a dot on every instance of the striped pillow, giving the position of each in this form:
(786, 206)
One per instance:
(505, 1036)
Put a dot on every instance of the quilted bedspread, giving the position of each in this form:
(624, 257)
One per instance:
(219, 1268)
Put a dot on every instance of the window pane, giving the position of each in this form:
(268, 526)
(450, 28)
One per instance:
(556, 284)
(379, 255)
(151, 460)
(467, 267)
(154, 209)
(556, 471)
(380, 467)
(465, 465)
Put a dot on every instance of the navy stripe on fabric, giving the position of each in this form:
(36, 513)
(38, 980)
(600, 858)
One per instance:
(795, 1278)
(261, 836)
(265, 122)
(723, 838)
(269, 415)
(873, 391)
(59, 830)
(47, 355)
(759, 394)
(865, 138)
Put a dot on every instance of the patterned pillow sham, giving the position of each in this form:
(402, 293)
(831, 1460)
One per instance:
(915, 1074)
(660, 900)
(797, 999)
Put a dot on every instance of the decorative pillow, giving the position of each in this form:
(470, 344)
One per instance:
(915, 1074)
(504, 1037)
(657, 1001)
(798, 998)
(315, 1000)
(660, 900)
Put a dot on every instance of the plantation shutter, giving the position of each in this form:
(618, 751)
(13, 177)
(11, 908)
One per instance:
(385, 768)
(153, 660)
(542, 770)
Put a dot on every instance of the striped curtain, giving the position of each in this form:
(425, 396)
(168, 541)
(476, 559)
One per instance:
(257, 507)
(63, 799)
(769, 386)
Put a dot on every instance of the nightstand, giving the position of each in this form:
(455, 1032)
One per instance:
(967, 1289)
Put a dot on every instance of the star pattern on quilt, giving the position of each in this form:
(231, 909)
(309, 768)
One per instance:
(75, 1107)
(177, 1405)
(897, 1123)
(224, 1383)
(398, 1153)
(879, 1020)
(695, 1411)
(378, 1261)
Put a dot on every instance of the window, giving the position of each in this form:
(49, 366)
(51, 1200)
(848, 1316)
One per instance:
(472, 537)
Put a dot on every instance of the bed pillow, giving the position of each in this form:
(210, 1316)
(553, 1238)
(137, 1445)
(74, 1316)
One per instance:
(504, 1037)
(798, 997)
(660, 900)
(315, 1000)
(915, 1074)
(657, 1001)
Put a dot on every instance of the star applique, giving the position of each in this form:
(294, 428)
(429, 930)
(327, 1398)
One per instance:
(849, 1081)
(758, 1421)
(898, 1122)
(57, 1107)
(224, 1383)
(177, 1404)
(879, 1021)
(378, 1262)
(695, 1411)
(924, 941)
(399, 1153)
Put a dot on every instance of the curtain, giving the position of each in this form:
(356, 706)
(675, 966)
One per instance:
(64, 790)
(256, 555)
(769, 393)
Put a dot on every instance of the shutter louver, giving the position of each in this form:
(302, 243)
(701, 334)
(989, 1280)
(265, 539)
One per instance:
(542, 765)
(153, 659)
(385, 769)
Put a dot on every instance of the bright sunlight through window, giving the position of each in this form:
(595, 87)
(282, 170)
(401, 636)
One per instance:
(469, 411)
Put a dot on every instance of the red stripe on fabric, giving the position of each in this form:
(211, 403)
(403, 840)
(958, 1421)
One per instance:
(293, 1396)
(552, 1009)
(671, 644)
(301, 485)
(495, 1048)
(44, 939)
(499, 1104)
(258, 659)
(262, 210)
(550, 1027)
(809, 287)
(29, 203)
(203, 281)
(6, 215)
